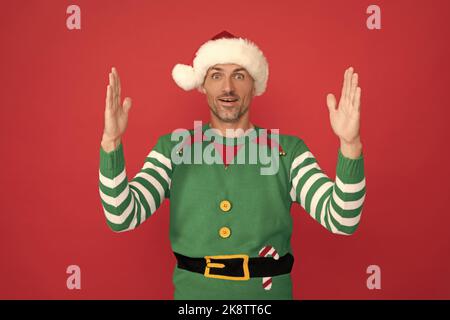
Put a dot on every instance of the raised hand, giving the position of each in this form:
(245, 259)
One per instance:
(345, 120)
(116, 113)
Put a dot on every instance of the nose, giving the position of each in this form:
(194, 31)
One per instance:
(228, 85)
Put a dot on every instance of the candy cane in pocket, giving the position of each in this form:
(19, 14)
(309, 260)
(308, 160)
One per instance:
(265, 252)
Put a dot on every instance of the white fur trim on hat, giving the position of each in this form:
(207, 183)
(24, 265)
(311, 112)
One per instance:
(220, 51)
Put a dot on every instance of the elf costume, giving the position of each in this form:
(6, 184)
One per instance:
(230, 223)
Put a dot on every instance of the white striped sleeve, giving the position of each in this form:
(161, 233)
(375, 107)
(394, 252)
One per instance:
(127, 204)
(336, 205)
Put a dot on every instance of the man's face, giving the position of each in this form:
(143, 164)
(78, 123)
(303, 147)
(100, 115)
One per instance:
(229, 89)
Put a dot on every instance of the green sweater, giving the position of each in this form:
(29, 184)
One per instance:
(260, 205)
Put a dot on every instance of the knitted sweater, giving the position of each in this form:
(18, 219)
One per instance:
(257, 210)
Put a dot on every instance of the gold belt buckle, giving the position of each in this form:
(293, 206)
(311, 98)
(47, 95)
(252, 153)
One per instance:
(210, 265)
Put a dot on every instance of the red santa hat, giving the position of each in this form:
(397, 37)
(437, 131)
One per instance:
(224, 48)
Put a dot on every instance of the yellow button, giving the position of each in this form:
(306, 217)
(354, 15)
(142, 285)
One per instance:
(225, 205)
(224, 232)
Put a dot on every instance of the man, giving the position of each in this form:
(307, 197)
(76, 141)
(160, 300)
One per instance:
(230, 223)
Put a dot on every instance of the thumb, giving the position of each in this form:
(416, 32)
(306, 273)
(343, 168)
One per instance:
(331, 102)
(127, 104)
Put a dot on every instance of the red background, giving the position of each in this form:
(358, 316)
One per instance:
(53, 83)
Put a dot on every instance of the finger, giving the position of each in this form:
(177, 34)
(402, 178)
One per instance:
(111, 87)
(108, 97)
(357, 99)
(348, 83)
(344, 85)
(353, 86)
(113, 82)
(331, 102)
(116, 86)
(117, 78)
(113, 72)
(127, 104)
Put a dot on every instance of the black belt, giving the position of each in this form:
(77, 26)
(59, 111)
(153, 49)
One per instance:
(236, 267)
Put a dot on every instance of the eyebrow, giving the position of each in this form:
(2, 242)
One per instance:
(235, 70)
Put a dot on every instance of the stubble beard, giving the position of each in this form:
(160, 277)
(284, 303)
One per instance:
(228, 115)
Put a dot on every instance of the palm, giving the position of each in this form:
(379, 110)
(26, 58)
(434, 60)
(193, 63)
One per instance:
(116, 113)
(345, 119)
(115, 121)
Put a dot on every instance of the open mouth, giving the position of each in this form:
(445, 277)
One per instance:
(228, 101)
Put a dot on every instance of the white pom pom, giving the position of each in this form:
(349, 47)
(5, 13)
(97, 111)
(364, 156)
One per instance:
(184, 76)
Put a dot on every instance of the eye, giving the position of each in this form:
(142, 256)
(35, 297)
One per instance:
(239, 76)
(215, 75)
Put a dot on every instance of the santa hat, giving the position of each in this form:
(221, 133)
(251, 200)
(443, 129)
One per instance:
(224, 48)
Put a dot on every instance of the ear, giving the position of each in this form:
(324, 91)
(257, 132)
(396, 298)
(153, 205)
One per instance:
(201, 89)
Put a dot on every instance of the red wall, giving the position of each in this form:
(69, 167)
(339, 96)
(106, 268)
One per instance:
(53, 82)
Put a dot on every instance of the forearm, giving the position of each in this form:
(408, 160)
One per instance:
(347, 197)
(127, 204)
(116, 197)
